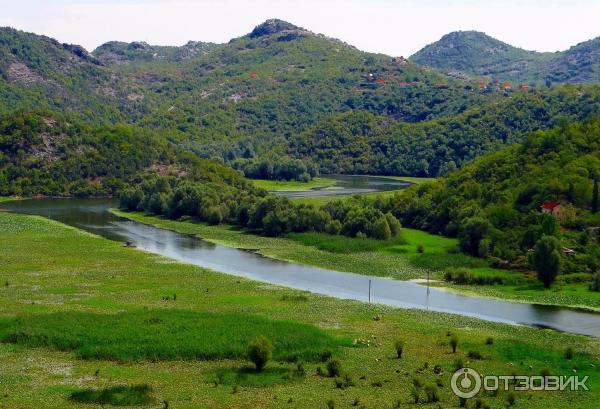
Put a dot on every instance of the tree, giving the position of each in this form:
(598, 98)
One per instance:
(471, 233)
(130, 198)
(381, 229)
(546, 259)
(595, 196)
(260, 351)
(550, 226)
(394, 224)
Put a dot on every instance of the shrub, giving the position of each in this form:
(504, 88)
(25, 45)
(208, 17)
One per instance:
(511, 398)
(116, 395)
(399, 347)
(334, 368)
(344, 382)
(545, 373)
(330, 404)
(325, 355)
(437, 369)
(416, 394)
(458, 364)
(260, 351)
(453, 343)
(393, 223)
(333, 227)
(475, 355)
(432, 394)
(569, 353)
(595, 286)
(489, 341)
(420, 248)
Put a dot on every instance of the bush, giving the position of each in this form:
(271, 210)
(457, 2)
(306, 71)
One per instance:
(545, 373)
(475, 355)
(511, 398)
(595, 286)
(334, 368)
(394, 224)
(432, 394)
(453, 343)
(489, 341)
(458, 364)
(420, 249)
(116, 395)
(416, 394)
(399, 347)
(569, 353)
(325, 355)
(333, 227)
(344, 382)
(260, 351)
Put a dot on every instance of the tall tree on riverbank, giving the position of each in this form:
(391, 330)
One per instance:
(546, 259)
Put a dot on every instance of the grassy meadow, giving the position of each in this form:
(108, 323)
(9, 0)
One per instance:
(292, 185)
(86, 322)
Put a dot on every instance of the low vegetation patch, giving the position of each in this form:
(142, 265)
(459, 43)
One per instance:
(164, 335)
(342, 244)
(116, 395)
(250, 377)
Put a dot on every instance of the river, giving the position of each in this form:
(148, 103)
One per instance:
(92, 215)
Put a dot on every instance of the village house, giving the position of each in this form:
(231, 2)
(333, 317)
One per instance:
(554, 209)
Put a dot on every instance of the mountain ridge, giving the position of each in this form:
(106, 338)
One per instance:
(477, 54)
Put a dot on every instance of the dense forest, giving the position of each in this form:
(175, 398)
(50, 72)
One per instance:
(254, 209)
(47, 153)
(495, 204)
(360, 142)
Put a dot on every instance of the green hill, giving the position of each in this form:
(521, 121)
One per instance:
(360, 142)
(283, 91)
(47, 153)
(233, 100)
(477, 54)
(494, 204)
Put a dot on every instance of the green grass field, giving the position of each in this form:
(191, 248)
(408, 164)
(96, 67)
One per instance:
(280, 186)
(411, 179)
(65, 291)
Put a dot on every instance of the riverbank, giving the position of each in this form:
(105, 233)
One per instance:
(396, 259)
(53, 268)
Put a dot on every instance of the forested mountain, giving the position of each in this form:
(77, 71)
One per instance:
(235, 100)
(494, 205)
(282, 93)
(48, 153)
(360, 142)
(479, 55)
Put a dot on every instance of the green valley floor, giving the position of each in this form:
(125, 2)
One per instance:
(86, 322)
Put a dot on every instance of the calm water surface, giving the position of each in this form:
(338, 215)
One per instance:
(92, 215)
(350, 185)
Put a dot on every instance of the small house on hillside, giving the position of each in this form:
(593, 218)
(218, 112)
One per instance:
(554, 209)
